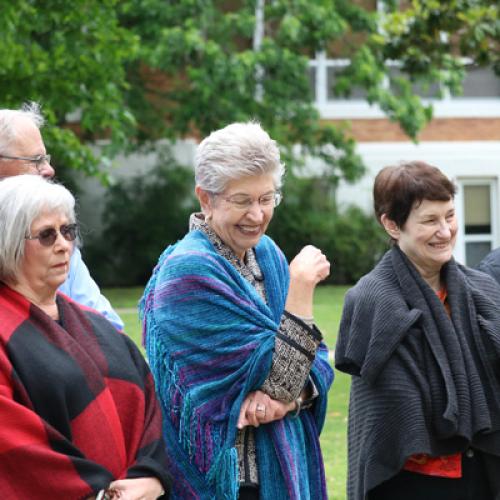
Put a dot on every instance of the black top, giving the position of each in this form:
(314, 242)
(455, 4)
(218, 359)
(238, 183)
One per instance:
(491, 264)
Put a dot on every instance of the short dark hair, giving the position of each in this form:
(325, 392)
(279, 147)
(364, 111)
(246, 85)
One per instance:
(397, 189)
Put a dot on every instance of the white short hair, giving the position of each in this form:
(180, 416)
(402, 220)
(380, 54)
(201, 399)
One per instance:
(24, 198)
(9, 119)
(236, 151)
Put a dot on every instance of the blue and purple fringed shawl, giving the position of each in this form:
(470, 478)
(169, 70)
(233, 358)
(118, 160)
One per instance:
(210, 339)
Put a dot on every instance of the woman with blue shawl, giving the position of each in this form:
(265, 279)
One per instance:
(240, 368)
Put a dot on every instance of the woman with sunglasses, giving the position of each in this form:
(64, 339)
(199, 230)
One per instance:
(240, 368)
(79, 416)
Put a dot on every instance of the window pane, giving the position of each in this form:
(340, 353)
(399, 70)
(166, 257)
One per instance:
(420, 89)
(475, 251)
(356, 92)
(312, 81)
(480, 82)
(477, 209)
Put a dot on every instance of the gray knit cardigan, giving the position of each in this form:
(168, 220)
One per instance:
(422, 382)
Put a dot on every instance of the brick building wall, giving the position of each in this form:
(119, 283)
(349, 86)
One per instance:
(439, 129)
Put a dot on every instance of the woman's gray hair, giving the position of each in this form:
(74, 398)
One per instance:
(10, 117)
(24, 198)
(236, 151)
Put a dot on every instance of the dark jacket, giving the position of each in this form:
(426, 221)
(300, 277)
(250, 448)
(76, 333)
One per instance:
(491, 265)
(422, 383)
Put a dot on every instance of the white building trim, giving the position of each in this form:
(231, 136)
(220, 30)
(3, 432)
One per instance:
(446, 108)
(338, 108)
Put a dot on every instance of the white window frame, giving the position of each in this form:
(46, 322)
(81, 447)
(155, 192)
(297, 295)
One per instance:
(447, 107)
(463, 238)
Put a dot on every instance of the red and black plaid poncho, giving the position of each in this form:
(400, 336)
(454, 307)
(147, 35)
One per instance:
(77, 404)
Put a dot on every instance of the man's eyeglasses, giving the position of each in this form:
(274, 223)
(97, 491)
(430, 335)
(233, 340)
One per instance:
(47, 237)
(38, 160)
(243, 202)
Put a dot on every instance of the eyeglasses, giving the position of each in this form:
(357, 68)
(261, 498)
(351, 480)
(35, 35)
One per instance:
(243, 202)
(47, 237)
(38, 160)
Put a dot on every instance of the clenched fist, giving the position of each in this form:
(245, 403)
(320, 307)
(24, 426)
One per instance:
(307, 269)
(310, 266)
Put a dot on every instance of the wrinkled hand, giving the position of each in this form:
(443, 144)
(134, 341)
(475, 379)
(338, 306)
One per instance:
(310, 266)
(258, 408)
(143, 488)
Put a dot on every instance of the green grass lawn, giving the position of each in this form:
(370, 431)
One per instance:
(327, 309)
(328, 304)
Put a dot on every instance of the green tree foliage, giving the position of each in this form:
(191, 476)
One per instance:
(216, 75)
(71, 57)
(138, 70)
(142, 214)
(429, 34)
(428, 41)
(351, 239)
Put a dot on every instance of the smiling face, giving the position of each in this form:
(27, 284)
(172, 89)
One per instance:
(239, 228)
(44, 268)
(428, 235)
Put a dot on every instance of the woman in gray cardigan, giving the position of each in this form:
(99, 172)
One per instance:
(420, 335)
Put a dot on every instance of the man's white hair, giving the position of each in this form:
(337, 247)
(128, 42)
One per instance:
(9, 118)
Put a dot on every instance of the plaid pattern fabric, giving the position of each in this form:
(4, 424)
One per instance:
(77, 404)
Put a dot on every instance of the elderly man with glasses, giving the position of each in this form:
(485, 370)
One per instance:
(22, 151)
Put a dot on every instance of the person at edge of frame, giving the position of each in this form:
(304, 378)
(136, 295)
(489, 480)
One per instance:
(420, 335)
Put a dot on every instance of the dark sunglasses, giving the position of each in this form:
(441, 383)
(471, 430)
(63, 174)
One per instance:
(47, 237)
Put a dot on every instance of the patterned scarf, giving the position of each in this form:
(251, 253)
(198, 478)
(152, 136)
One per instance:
(210, 339)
